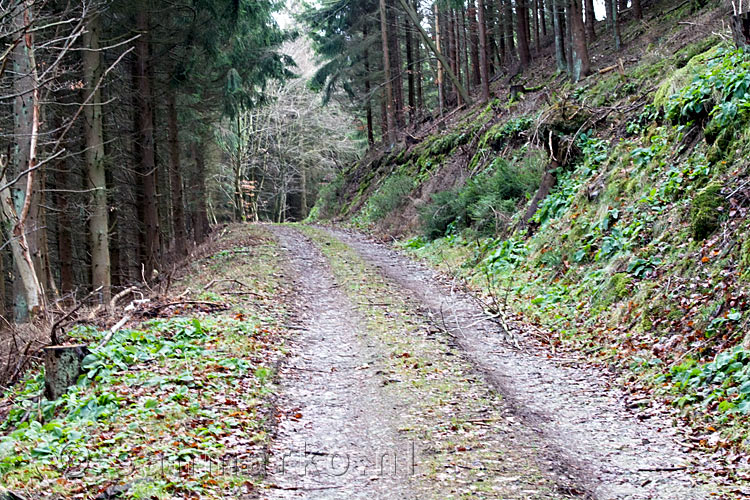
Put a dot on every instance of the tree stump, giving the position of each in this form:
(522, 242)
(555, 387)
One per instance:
(62, 367)
(740, 25)
(516, 91)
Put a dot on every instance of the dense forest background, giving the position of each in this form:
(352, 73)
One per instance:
(131, 128)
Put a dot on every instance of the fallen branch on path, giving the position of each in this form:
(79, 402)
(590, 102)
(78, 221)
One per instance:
(158, 308)
(113, 302)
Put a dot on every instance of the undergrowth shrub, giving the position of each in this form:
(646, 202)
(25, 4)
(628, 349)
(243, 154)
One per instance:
(721, 93)
(594, 152)
(487, 201)
(724, 382)
(328, 199)
(704, 213)
(388, 197)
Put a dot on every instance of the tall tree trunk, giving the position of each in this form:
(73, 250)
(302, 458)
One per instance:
(581, 64)
(175, 176)
(616, 23)
(21, 204)
(3, 303)
(396, 65)
(440, 67)
(558, 25)
(490, 25)
(95, 173)
(522, 32)
(419, 64)
(383, 117)
(198, 194)
(64, 225)
(465, 58)
(474, 40)
(569, 36)
(452, 52)
(537, 39)
(483, 68)
(637, 9)
(145, 116)
(543, 17)
(30, 301)
(368, 91)
(410, 72)
(508, 27)
(496, 6)
(389, 112)
(239, 195)
(590, 20)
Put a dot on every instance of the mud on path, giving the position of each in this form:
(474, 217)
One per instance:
(580, 421)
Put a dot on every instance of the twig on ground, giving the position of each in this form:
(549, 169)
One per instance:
(113, 330)
(216, 282)
(662, 469)
(158, 308)
(113, 302)
(56, 325)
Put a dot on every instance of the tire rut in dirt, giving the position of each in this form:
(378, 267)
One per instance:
(335, 424)
(580, 421)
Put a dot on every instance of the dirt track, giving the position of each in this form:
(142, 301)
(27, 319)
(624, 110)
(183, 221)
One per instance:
(573, 435)
(335, 421)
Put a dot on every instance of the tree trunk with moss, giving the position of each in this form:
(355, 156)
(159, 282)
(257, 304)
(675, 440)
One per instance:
(95, 173)
(581, 63)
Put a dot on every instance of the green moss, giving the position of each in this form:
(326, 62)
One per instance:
(682, 76)
(712, 131)
(566, 118)
(501, 133)
(620, 285)
(745, 260)
(604, 91)
(646, 324)
(683, 57)
(652, 66)
(400, 157)
(654, 309)
(446, 144)
(704, 213)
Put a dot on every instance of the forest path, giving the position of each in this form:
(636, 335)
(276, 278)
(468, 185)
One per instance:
(374, 405)
(395, 359)
(336, 423)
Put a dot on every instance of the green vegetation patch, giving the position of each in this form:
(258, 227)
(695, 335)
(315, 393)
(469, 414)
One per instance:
(162, 407)
(487, 201)
(705, 213)
(723, 384)
(388, 197)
